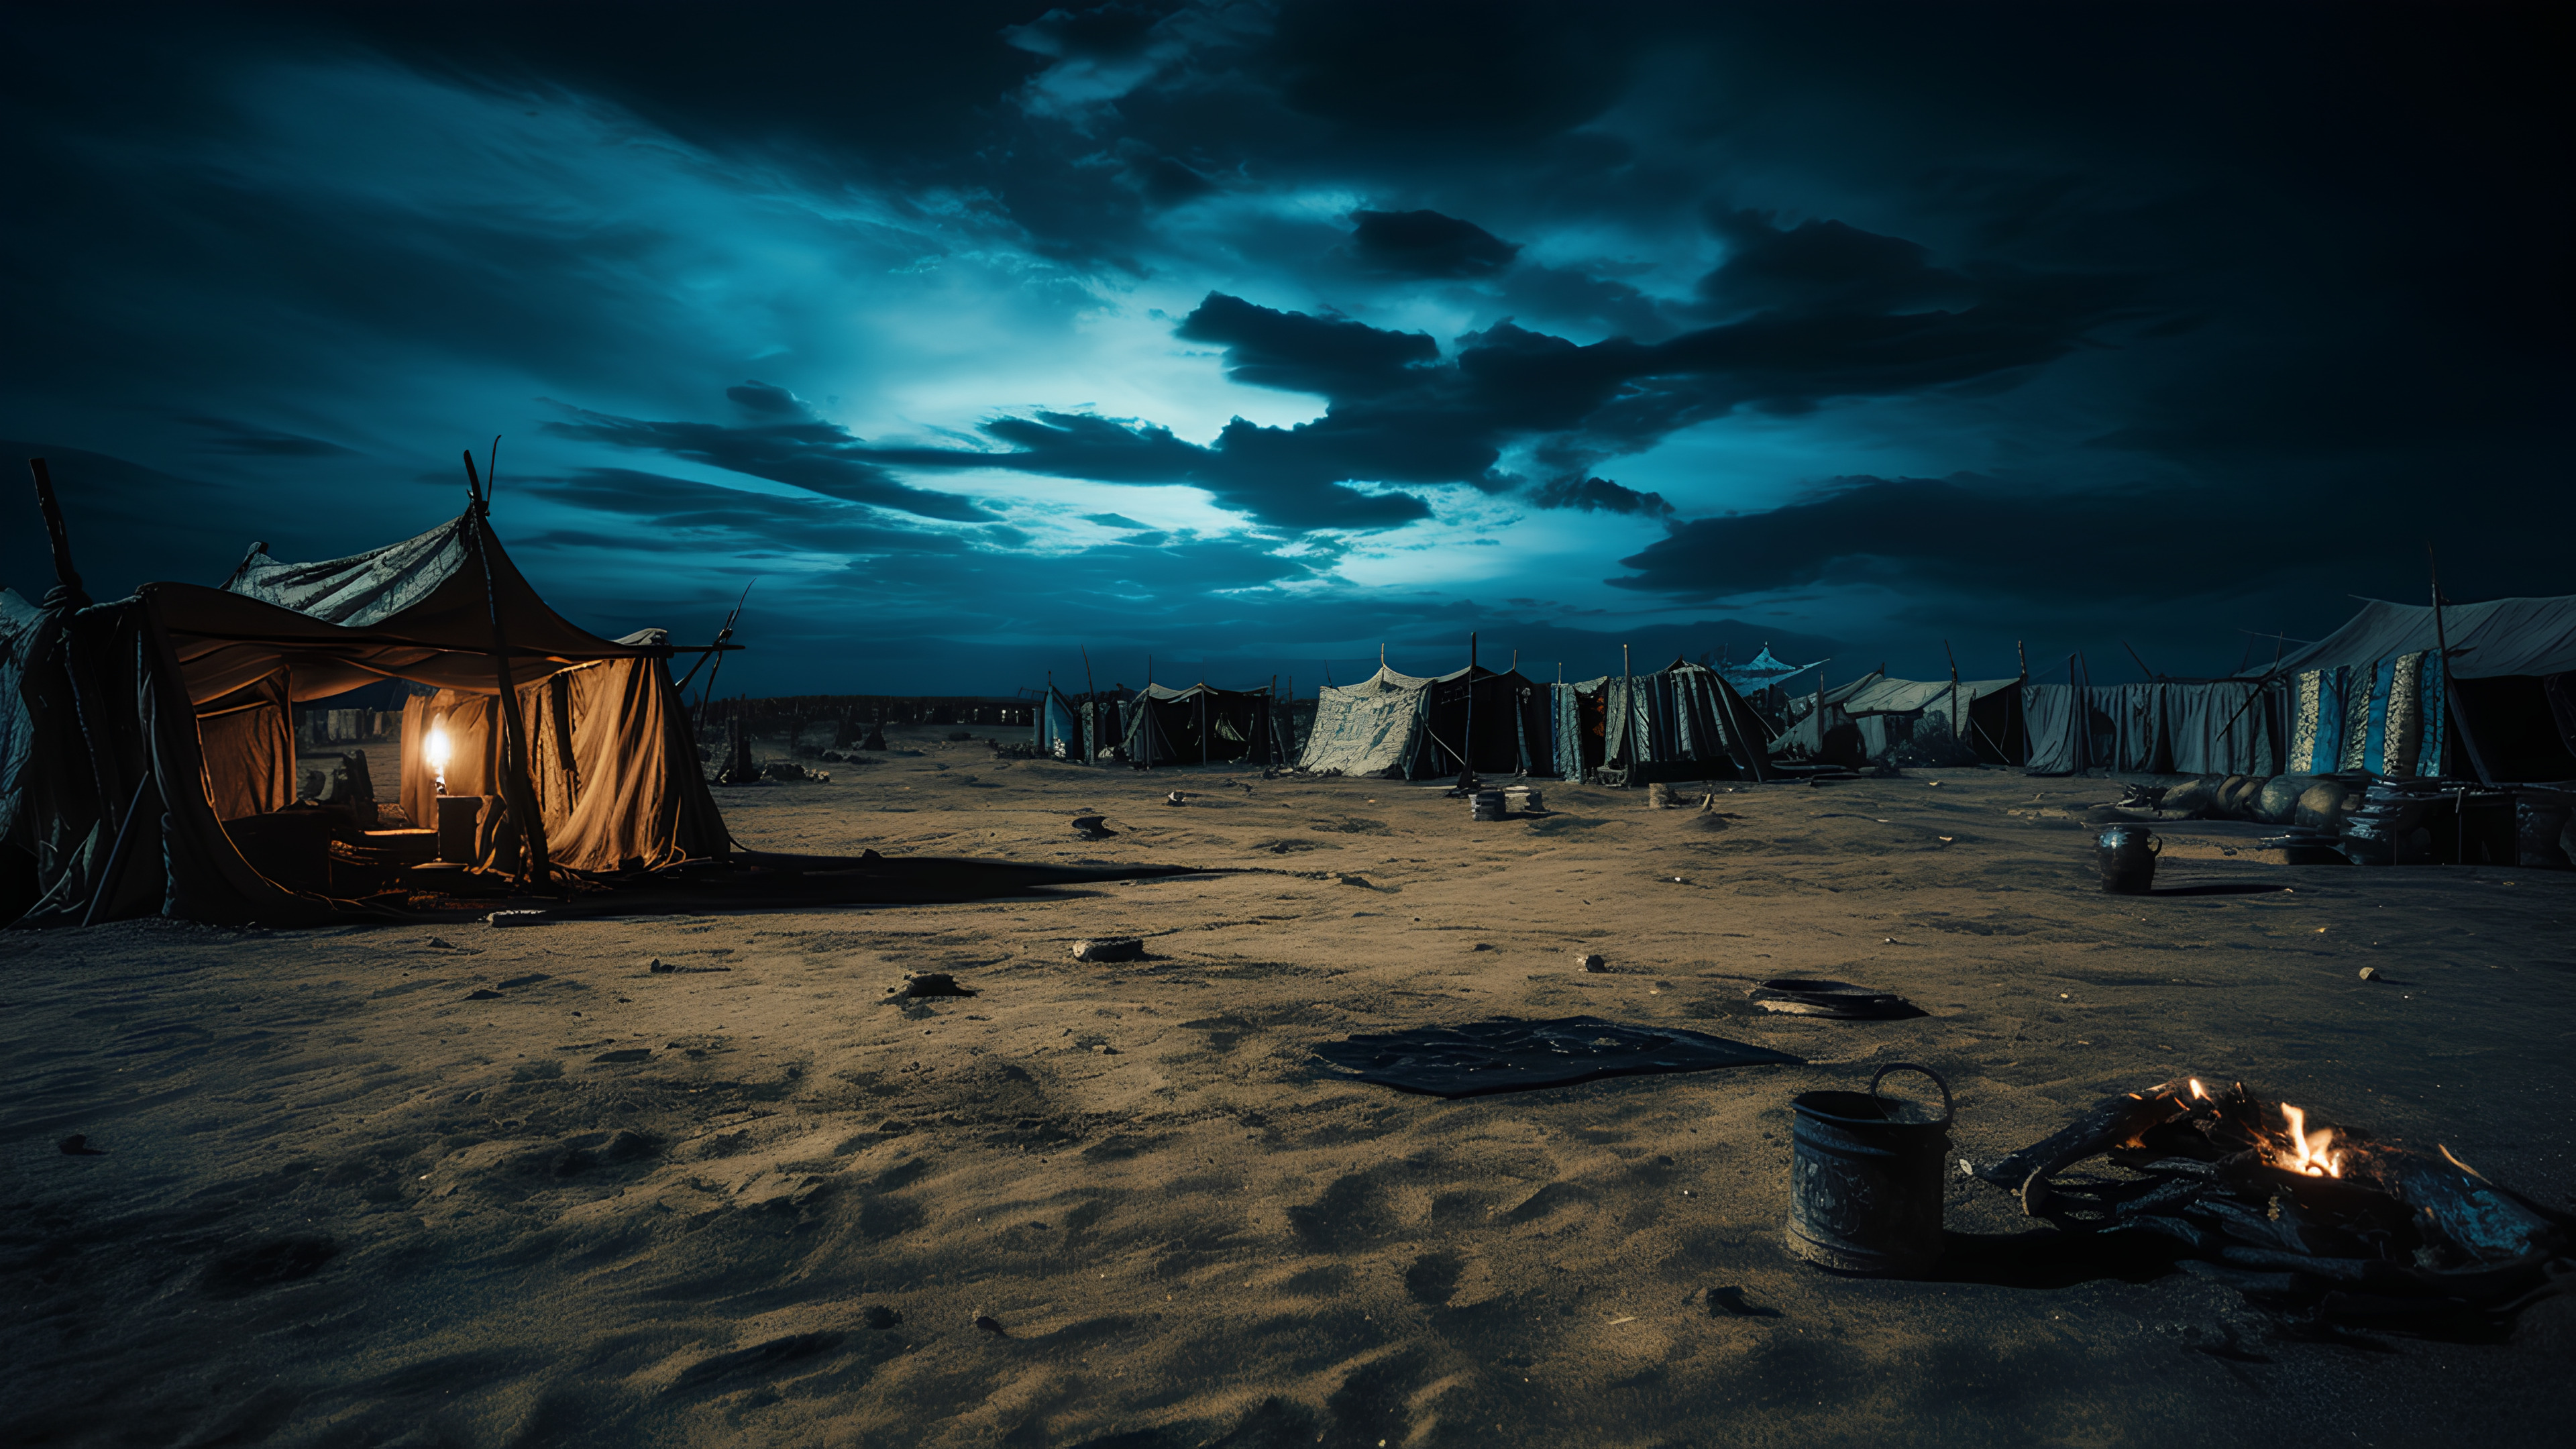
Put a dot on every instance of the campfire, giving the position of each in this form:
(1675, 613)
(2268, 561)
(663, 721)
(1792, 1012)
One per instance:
(2317, 1216)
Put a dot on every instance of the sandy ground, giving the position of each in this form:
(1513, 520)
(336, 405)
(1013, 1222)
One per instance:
(350, 1198)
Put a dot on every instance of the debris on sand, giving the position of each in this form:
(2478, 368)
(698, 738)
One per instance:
(1115, 948)
(1092, 827)
(2369, 973)
(1796, 996)
(516, 918)
(930, 983)
(661, 967)
(1591, 962)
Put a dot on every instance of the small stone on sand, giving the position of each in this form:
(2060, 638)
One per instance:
(1115, 948)
(1592, 963)
(2369, 973)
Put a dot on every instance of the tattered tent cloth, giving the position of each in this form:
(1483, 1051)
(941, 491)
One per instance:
(1366, 728)
(1409, 727)
(149, 722)
(1202, 724)
(2216, 727)
(1685, 719)
(2378, 695)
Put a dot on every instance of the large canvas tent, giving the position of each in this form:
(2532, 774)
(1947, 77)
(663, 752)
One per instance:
(149, 740)
(1681, 722)
(1412, 727)
(2377, 695)
(1203, 725)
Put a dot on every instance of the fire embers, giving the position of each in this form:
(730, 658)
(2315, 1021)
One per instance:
(2319, 1219)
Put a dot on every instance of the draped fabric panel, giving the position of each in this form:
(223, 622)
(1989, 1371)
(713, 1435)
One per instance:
(247, 742)
(2052, 722)
(618, 780)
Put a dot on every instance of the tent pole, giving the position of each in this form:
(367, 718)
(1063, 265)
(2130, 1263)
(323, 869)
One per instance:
(1090, 704)
(1467, 744)
(515, 781)
(2450, 686)
(1956, 733)
(56, 536)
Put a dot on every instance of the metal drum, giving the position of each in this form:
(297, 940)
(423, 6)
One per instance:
(458, 818)
(1487, 805)
(2128, 856)
(1865, 1179)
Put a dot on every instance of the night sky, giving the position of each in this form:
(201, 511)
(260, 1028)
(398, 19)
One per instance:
(1252, 336)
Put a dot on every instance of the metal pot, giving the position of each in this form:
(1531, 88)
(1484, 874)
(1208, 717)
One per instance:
(1865, 1180)
(2128, 854)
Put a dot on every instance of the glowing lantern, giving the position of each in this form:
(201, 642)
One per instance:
(433, 748)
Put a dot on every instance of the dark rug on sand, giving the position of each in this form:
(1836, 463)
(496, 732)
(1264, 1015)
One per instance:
(1484, 1057)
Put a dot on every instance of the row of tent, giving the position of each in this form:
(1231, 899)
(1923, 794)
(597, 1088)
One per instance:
(2379, 695)
(1682, 722)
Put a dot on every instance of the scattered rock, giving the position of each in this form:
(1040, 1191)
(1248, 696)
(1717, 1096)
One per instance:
(1105, 1049)
(990, 1324)
(77, 1145)
(1092, 827)
(1113, 948)
(1175, 798)
(2369, 973)
(877, 1315)
(1592, 963)
(930, 983)
(516, 918)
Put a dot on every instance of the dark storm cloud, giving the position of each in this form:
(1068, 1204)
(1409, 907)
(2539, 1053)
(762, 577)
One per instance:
(1427, 244)
(227, 436)
(676, 512)
(809, 454)
(1297, 353)
(1823, 267)
(1598, 495)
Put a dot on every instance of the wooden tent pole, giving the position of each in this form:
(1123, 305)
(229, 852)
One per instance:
(1467, 744)
(517, 789)
(1956, 733)
(1090, 708)
(57, 536)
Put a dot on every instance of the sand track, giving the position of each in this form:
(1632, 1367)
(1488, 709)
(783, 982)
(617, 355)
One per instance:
(344, 1203)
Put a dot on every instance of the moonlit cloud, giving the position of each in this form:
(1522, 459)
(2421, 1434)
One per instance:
(1245, 334)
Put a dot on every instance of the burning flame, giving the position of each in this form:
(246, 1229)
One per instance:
(2308, 1152)
(433, 749)
(2198, 1091)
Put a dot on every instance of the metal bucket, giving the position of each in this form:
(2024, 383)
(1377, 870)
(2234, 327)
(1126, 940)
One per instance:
(1865, 1181)
(2128, 856)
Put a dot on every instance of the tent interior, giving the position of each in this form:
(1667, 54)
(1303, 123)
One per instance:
(152, 767)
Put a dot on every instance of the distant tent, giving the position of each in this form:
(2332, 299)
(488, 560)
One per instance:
(1202, 725)
(1682, 722)
(1825, 731)
(1762, 671)
(1366, 728)
(1404, 726)
(152, 744)
(2206, 727)
(1059, 730)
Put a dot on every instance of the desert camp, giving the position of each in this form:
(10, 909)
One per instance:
(1164, 863)
(1303, 725)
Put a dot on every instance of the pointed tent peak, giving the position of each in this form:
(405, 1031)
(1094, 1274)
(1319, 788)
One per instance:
(428, 587)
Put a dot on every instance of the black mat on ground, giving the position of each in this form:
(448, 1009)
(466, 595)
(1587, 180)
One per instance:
(1484, 1057)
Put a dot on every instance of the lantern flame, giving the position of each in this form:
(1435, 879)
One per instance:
(434, 750)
